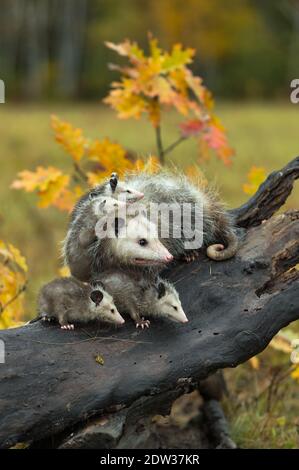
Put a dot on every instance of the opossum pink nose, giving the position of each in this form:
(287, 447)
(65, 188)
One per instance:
(184, 319)
(122, 321)
(168, 257)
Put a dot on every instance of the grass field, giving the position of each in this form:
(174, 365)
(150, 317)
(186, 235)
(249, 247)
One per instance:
(263, 134)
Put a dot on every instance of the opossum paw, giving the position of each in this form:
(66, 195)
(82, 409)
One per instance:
(68, 326)
(143, 323)
(192, 256)
(46, 318)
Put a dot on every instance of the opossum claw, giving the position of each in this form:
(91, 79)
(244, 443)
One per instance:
(192, 256)
(69, 326)
(143, 323)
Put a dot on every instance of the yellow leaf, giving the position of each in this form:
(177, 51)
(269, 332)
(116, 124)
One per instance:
(18, 258)
(67, 198)
(295, 374)
(256, 176)
(99, 359)
(64, 271)
(36, 180)
(125, 102)
(52, 193)
(177, 58)
(13, 268)
(254, 362)
(71, 138)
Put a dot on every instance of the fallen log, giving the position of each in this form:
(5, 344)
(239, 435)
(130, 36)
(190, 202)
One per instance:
(53, 381)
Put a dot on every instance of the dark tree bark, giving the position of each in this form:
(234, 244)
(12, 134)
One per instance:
(51, 383)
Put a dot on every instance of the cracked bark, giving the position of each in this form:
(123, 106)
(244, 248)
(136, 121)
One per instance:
(51, 384)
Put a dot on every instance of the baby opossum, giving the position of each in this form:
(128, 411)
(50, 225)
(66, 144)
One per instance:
(99, 202)
(112, 189)
(138, 295)
(68, 300)
(168, 188)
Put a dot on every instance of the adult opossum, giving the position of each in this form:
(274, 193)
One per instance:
(216, 231)
(138, 295)
(97, 203)
(68, 300)
(217, 228)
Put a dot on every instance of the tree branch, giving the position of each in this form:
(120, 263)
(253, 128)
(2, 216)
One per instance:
(270, 196)
(174, 144)
(159, 144)
(80, 172)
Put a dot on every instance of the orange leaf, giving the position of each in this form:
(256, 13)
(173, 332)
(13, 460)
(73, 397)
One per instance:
(36, 180)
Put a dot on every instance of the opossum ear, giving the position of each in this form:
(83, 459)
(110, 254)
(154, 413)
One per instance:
(161, 290)
(118, 224)
(113, 181)
(96, 296)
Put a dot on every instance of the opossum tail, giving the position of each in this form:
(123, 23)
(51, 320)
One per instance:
(218, 252)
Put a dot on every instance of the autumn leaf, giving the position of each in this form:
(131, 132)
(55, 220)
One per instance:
(254, 362)
(256, 176)
(177, 58)
(13, 280)
(216, 139)
(126, 103)
(64, 271)
(192, 127)
(69, 137)
(18, 258)
(162, 80)
(50, 183)
(54, 191)
(67, 198)
(99, 360)
(36, 180)
(295, 374)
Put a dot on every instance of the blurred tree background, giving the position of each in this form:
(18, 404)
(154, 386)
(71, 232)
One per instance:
(53, 49)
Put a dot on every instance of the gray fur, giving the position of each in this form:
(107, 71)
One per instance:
(68, 300)
(86, 255)
(139, 295)
(81, 243)
(170, 188)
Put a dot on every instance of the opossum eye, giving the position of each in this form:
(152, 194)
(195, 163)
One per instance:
(143, 242)
(175, 307)
(112, 310)
(128, 191)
